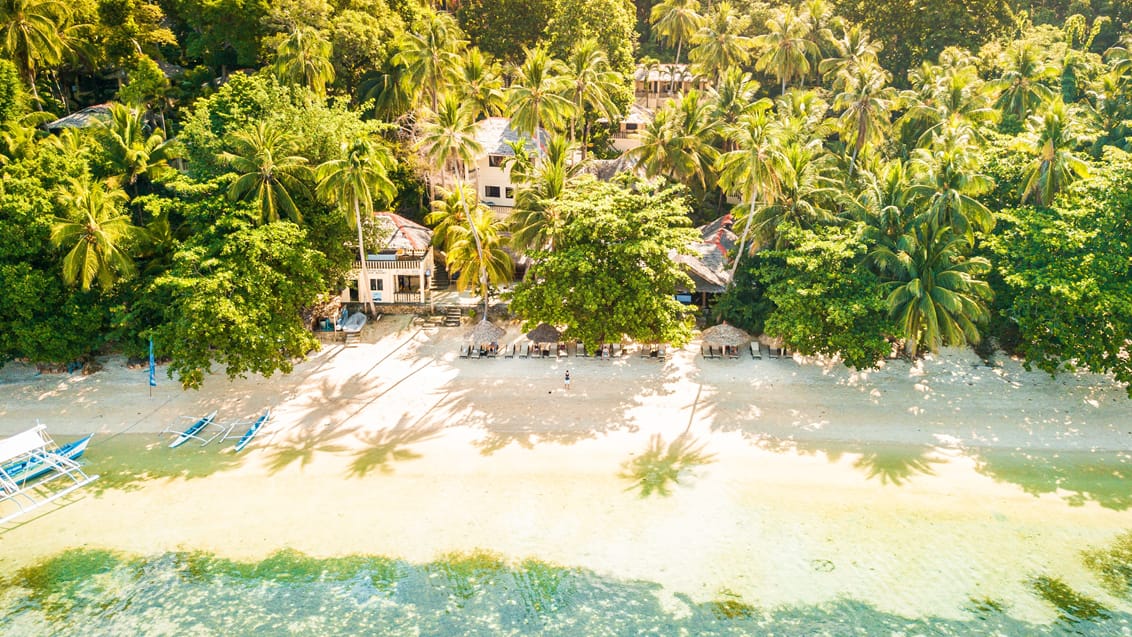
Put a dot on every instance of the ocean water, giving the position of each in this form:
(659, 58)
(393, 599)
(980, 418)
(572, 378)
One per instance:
(679, 536)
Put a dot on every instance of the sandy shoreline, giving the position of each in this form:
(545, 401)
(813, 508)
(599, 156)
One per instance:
(404, 371)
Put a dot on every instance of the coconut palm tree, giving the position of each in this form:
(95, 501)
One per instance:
(952, 97)
(1021, 85)
(751, 169)
(733, 96)
(805, 195)
(446, 214)
(479, 84)
(477, 247)
(885, 205)
(786, 47)
(591, 87)
(676, 21)
(946, 180)
(95, 232)
(448, 137)
(303, 57)
(431, 56)
(678, 143)
(720, 43)
(354, 183)
(935, 295)
(534, 220)
(1055, 166)
(851, 51)
(132, 149)
(536, 98)
(867, 100)
(267, 172)
(31, 35)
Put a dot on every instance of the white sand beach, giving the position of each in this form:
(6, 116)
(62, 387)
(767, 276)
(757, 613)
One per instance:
(815, 482)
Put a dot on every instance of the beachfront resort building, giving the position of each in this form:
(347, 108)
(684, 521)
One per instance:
(492, 171)
(626, 134)
(399, 270)
(663, 80)
(708, 265)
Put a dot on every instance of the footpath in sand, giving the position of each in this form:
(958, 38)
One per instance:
(913, 488)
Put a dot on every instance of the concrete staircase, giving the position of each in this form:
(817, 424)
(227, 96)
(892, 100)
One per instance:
(452, 316)
(440, 280)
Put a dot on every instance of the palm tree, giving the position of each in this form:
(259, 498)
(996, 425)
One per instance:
(884, 205)
(591, 87)
(480, 84)
(678, 142)
(95, 232)
(853, 50)
(1054, 166)
(535, 221)
(431, 57)
(751, 169)
(952, 97)
(266, 172)
(446, 214)
(676, 21)
(32, 35)
(787, 47)
(648, 66)
(945, 178)
(536, 99)
(936, 296)
(805, 195)
(133, 151)
(720, 43)
(478, 248)
(448, 137)
(1020, 85)
(304, 58)
(732, 97)
(867, 101)
(354, 182)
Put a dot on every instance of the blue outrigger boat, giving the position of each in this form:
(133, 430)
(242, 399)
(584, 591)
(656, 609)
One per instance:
(193, 431)
(27, 470)
(252, 431)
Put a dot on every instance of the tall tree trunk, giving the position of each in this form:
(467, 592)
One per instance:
(363, 284)
(742, 241)
(479, 244)
(672, 84)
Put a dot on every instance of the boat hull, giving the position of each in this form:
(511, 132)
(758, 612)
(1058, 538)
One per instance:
(27, 470)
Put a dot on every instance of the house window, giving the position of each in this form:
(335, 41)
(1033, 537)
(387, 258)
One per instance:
(376, 285)
(509, 193)
(491, 191)
(630, 127)
(495, 161)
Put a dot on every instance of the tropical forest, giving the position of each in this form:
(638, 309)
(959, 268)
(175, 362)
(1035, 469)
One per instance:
(203, 174)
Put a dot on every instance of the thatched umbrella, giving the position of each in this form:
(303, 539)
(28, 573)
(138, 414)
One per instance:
(724, 334)
(484, 333)
(544, 334)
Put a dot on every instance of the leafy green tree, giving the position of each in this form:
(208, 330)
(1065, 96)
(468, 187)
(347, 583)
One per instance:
(719, 43)
(224, 34)
(1055, 166)
(129, 29)
(826, 301)
(805, 194)
(611, 272)
(304, 58)
(535, 98)
(234, 297)
(431, 55)
(361, 42)
(935, 296)
(526, 20)
(266, 172)
(95, 233)
(609, 22)
(786, 47)
(30, 33)
(354, 183)
(1064, 274)
(676, 21)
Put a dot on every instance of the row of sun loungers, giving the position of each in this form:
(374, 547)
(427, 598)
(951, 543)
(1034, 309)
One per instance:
(757, 351)
(561, 350)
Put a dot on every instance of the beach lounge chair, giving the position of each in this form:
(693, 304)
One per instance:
(525, 351)
(732, 351)
(773, 352)
(562, 351)
(616, 350)
(580, 349)
(463, 351)
(475, 352)
(661, 353)
(647, 351)
(510, 351)
(705, 350)
(756, 352)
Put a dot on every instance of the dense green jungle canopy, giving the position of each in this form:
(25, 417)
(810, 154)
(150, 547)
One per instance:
(899, 174)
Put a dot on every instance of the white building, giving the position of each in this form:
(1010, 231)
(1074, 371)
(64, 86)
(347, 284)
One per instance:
(492, 170)
(400, 269)
(627, 133)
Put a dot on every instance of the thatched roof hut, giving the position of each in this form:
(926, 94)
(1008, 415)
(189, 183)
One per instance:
(485, 332)
(724, 334)
(544, 333)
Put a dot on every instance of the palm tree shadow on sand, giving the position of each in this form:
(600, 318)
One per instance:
(386, 446)
(302, 446)
(661, 465)
(896, 466)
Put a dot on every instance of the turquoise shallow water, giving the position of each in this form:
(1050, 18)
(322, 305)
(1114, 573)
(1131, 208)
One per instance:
(85, 592)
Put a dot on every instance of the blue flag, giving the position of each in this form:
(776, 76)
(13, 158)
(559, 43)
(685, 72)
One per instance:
(152, 367)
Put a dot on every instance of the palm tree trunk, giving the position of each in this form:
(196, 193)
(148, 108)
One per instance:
(363, 284)
(672, 84)
(742, 241)
(479, 244)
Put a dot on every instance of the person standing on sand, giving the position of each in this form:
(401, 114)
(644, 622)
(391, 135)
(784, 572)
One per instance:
(567, 381)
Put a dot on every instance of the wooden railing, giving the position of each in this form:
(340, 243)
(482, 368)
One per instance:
(408, 297)
(400, 264)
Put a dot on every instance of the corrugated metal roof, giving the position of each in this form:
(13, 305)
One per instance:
(494, 133)
(406, 234)
(89, 116)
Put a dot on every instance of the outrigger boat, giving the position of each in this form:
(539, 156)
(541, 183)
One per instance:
(32, 468)
(252, 431)
(193, 432)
